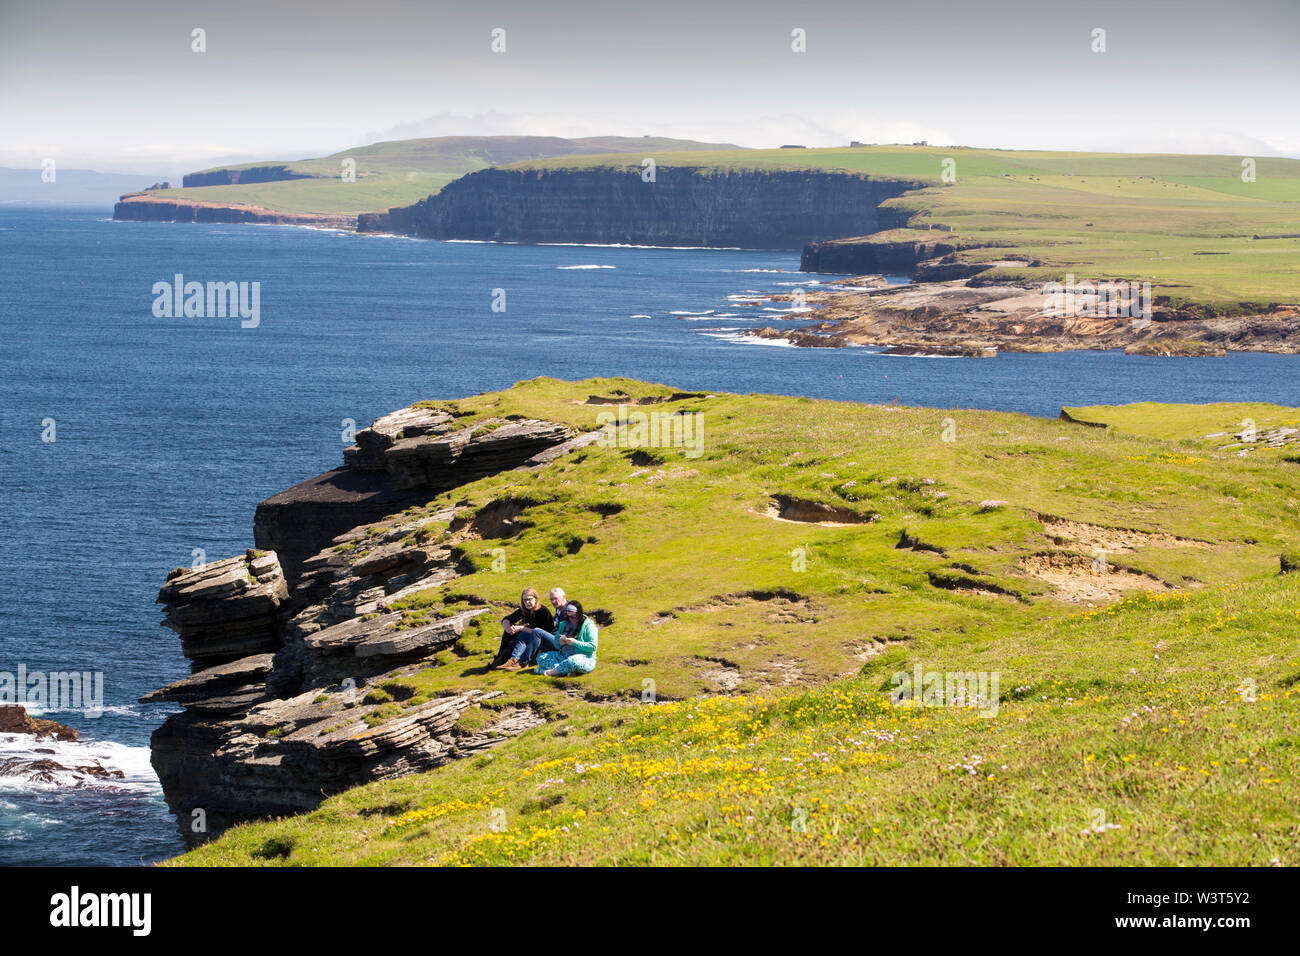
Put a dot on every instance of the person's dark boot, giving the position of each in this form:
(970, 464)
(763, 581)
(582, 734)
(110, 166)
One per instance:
(503, 652)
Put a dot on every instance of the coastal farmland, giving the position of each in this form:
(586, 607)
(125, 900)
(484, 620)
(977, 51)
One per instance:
(391, 173)
(1216, 233)
(1189, 225)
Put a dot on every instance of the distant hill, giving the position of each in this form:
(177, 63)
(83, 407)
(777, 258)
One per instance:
(392, 173)
(70, 186)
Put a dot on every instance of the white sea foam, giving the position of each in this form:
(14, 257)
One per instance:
(387, 235)
(739, 338)
(137, 771)
(924, 355)
(631, 245)
(585, 267)
(640, 316)
(35, 819)
(111, 710)
(684, 312)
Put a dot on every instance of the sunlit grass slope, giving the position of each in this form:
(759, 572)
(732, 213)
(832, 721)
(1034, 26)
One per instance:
(1158, 715)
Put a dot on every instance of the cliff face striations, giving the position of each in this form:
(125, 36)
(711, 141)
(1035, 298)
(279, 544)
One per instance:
(288, 650)
(684, 206)
(146, 208)
(402, 459)
(862, 256)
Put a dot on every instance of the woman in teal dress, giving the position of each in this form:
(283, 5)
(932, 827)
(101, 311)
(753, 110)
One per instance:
(577, 653)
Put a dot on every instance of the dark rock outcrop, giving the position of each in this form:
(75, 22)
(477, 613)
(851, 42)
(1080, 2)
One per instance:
(287, 703)
(862, 255)
(45, 770)
(14, 719)
(402, 459)
(138, 207)
(684, 206)
(944, 351)
(226, 610)
(809, 340)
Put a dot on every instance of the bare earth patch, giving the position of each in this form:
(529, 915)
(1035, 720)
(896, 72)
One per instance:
(779, 607)
(866, 650)
(782, 672)
(1114, 540)
(1082, 580)
(723, 677)
(800, 511)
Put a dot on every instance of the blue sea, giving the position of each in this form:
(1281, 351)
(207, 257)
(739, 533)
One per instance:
(168, 431)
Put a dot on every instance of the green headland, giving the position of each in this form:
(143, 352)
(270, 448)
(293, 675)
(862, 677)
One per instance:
(1122, 583)
(1188, 224)
(1217, 232)
(393, 173)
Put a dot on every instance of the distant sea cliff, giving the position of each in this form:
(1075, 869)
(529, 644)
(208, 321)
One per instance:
(684, 206)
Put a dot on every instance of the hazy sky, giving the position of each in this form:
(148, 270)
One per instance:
(115, 86)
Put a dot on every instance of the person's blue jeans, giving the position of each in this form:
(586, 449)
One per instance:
(529, 641)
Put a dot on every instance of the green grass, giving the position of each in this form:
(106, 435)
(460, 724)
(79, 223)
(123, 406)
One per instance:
(1190, 424)
(397, 172)
(1184, 223)
(1169, 720)
(801, 626)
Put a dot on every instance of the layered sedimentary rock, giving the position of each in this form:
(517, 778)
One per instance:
(159, 208)
(926, 256)
(765, 209)
(970, 317)
(862, 256)
(226, 610)
(284, 706)
(404, 458)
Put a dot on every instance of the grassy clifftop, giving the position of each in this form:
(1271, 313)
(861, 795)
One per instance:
(397, 172)
(764, 592)
(1185, 223)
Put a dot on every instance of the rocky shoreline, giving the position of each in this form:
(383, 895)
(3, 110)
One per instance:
(14, 719)
(37, 766)
(955, 317)
(290, 649)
